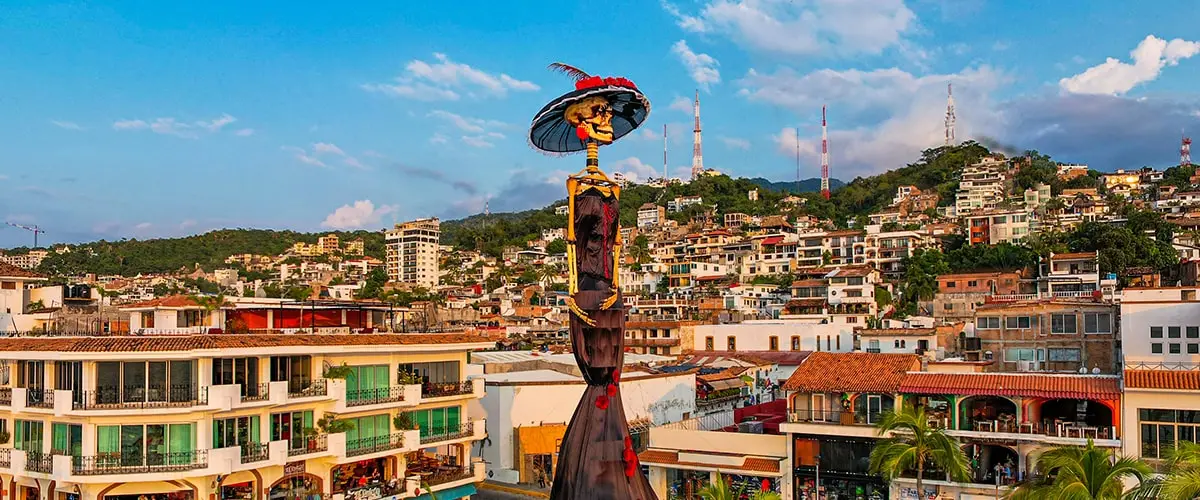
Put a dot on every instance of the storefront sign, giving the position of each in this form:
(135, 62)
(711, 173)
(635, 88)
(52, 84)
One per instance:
(365, 493)
(293, 468)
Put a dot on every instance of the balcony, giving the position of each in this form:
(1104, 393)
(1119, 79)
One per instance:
(307, 446)
(140, 398)
(832, 422)
(254, 452)
(450, 433)
(647, 342)
(36, 397)
(39, 462)
(121, 463)
(257, 393)
(315, 388)
(377, 444)
(5, 396)
(364, 397)
(444, 390)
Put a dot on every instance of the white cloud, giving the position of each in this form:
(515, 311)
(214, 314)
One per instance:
(216, 123)
(735, 142)
(467, 124)
(477, 141)
(438, 139)
(353, 162)
(803, 27)
(3, 177)
(444, 79)
(66, 125)
(634, 170)
(701, 67)
(245, 132)
(900, 114)
(325, 147)
(682, 104)
(143, 226)
(1116, 77)
(171, 126)
(187, 224)
(362, 213)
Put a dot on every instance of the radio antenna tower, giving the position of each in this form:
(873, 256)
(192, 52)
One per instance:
(1185, 152)
(666, 176)
(824, 156)
(950, 114)
(697, 156)
(797, 160)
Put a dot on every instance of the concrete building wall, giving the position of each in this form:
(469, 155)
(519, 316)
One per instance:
(756, 336)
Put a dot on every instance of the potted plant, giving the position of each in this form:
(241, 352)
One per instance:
(339, 372)
(403, 422)
(4, 437)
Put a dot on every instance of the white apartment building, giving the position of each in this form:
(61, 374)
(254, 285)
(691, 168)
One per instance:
(1074, 275)
(993, 227)
(650, 215)
(851, 295)
(682, 202)
(773, 335)
(30, 260)
(412, 252)
(982, 186)
(885, 250)
(1160, 325)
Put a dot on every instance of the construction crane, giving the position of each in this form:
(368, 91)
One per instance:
(33, 229)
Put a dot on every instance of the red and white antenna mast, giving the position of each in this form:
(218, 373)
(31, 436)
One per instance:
(824, 156)
(665, 176)
(1185, 152)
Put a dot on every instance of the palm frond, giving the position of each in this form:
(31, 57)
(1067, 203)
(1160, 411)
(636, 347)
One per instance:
(571, 71)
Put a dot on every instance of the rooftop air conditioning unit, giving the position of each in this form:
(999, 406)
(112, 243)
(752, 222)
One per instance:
(751, 427)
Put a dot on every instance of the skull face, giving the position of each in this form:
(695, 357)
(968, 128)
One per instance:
(594, 115)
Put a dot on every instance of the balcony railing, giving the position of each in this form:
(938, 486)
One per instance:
(440, 390)
(36, 397)
(258, 392)
(364, 446)
(448, 476)
(5, 396)
(304, 446)
(315, 388)
(130, 463)
(446, 433)
(838, 417)
(140, 397)
(362, 397)
(39, 462)
(5, 458)
(255, 452)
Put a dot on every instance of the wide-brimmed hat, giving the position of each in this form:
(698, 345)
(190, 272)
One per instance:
(551, 133)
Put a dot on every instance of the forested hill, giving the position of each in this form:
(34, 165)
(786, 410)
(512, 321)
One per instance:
(805, 186)
(209, 250)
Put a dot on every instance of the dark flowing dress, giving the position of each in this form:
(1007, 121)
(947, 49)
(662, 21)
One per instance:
(596, 459)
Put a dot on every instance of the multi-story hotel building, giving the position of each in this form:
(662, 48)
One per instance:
(412, 252)
(253, 417)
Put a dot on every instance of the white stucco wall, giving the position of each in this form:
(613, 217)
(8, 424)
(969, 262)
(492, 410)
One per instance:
(755, 335)
(1159, 308)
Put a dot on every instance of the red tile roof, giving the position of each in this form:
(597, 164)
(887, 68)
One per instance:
(173, 301)
(1076, 255)
(220, 341)
(774, 240)
(851, 372)
(1162, 379)
(10, 271)
(1011, 384)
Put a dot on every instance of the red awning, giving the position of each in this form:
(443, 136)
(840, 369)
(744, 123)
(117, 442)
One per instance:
(772, 241)
(1038, 385)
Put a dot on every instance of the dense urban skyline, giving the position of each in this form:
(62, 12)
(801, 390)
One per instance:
(145, 121)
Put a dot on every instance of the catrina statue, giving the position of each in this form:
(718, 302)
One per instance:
(597, 459)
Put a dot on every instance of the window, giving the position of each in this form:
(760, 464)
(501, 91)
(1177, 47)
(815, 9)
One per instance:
(1059, 354)
(1173, 332)
(708, 343)
(1193, 348)
(147, 319)
(295, 370)
(1193, 332)
(1156, 348)
(872, 345)
(773, 343)
(1014, 355)
(1064, 323)
(1174, 348)
(235, 431)
(1156, 332)
(851, 319)
(28, 436)
(155, 444)
(436, 372)
(951, 284)
(437, 421)
(1097, 323)
(1162, 429)
(795, 343)
(972, 283)
(827, 345)
(855, 281)
(368, 382)
(731, 343)
(1018, 322)
(137, 381)
(291, 427)
(948, 306)
(242, 371)
(987, 323)
(838, 340)
(367, 429)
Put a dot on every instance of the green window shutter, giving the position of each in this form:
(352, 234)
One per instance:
(19, 442)
(382, 381)
(180, 443)
(308, 419)
(452, 417)
(383, 423)
(437, 417)
(108, 439)
(255, 432)
(58, 437)
(353, 380)
(216, 433)
(421, 418)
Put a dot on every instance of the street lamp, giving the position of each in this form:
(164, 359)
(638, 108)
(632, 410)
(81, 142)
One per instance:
(817, 495)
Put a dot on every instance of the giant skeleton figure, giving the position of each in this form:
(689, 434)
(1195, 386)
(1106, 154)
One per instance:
(596, 459)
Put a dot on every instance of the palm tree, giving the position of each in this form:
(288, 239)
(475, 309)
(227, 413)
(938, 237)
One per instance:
(914, 445)
(1087, 473)
(722, 490)
(1181, 480)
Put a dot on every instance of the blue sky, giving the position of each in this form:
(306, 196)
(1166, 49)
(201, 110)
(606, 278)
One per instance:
(151, 119)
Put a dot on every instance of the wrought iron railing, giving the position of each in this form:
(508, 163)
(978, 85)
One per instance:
(139, 397)
(6, 396)
(137, 463)
(833, 417)
(311, 444)
(446, 433)
(443, 477)
(39, 462)
(363, 446)
(316, 387)
(361, 397)
(36, 397)
(256, 392)
(5, 457)
(439, 390)
(255, 452)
